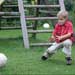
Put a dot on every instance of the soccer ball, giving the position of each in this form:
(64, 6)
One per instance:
(3, 60)
(1, 1)
(46, 25)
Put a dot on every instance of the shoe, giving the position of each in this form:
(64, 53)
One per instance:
(69, 60)
(44, 58)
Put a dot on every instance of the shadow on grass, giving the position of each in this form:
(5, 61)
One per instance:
(57, 61)
(11, 42)
(13, 38)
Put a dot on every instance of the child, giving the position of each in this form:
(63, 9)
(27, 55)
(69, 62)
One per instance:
(62, 35)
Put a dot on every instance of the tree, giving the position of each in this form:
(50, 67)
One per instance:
(68, 5)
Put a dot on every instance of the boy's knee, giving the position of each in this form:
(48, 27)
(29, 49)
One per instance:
(67, 43)
(50, 50)
(53, 48)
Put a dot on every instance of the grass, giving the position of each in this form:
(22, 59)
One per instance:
(23, 61)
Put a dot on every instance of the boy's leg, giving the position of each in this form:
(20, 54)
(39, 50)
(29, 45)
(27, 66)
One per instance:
(51, 50)
(67, 50)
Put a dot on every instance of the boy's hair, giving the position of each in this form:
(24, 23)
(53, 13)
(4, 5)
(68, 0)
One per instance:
(63, 13)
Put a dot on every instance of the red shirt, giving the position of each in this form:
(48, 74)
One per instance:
(61, 30)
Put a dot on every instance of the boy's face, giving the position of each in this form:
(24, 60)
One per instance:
(61, 20)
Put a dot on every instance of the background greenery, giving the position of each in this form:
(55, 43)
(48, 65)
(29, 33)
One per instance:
(23, 61)
(70, 6)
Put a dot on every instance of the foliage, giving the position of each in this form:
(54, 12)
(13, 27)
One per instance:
(68, 5)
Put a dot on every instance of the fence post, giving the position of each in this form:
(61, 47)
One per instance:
(23, 24)
(62, 6)
(36, 22)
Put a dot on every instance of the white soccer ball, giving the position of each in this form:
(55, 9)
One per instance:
(46, 25)
(1, 1)
(3, 59)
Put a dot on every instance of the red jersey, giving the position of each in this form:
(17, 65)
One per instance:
(61, 30)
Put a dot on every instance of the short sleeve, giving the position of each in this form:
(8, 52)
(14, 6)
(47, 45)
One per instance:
(70, 28)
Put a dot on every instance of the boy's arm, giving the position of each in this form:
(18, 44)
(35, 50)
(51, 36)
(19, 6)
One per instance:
(52, 38)
(64, 36)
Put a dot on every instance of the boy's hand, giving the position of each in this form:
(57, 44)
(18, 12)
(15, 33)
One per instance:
(52, 39)
(59, 38)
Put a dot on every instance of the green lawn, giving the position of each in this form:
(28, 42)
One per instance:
(23, 61)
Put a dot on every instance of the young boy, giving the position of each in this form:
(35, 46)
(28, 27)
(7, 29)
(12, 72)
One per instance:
(62, 35)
